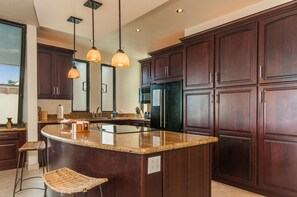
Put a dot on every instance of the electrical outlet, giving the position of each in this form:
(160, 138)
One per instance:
(154, 164)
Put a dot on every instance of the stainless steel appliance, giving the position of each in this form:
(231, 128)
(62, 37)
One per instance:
(166, 106)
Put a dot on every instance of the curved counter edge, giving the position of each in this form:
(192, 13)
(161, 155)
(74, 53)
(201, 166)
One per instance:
(188, 140)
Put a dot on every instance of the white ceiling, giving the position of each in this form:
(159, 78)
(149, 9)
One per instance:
(161, 25)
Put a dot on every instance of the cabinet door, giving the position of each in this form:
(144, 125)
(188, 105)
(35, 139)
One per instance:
(64, 85)
(277, 48)
(235, 152)
(236, 56)
(159, 67)
(278, 139)
(199, 63)
(46, 76)
(146, 73)
(198, 112)
(9, 151)
(175, 65)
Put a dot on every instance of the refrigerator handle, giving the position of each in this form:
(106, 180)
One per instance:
(161, 109)
(164, 114)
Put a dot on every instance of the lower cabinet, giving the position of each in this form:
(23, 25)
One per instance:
(236, 117)
(10, 142)
(278, 139)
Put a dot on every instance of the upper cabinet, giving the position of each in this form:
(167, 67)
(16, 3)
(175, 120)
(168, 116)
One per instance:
(231, 51)
(167, 64)
(146, 71)
(199, 63)
(236, 56)
(53, 66)
(278, 48)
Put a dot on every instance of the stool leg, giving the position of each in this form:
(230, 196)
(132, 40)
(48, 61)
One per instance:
(101, 193)
(16, 174)
(45, 189)
(22, 172)
(42, 161)
(85, 194)
(45, 160)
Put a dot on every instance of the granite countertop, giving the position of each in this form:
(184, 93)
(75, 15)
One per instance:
(137, 143)
(13, 129)
(105, 119)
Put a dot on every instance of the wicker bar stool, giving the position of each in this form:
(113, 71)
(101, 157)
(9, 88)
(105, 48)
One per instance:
(67, 181)
(29, 146)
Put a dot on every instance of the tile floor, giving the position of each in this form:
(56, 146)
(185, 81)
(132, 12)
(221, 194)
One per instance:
(7, 182)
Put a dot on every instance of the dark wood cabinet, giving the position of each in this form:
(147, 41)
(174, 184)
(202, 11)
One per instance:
(167, 64)
(198, 112)
(146, 71)
(236, 121)
(277, 48)
(199, 63)
(53, 66)
(256, 122)
(10, 142)
(278, 139)
(236, 56)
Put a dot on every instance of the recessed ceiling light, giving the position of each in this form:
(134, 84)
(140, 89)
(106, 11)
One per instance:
(138, 30)
(179, 10)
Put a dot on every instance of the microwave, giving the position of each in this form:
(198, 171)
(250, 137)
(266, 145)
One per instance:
(144, 95)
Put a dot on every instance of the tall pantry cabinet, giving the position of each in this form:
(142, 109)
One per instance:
(240, 85)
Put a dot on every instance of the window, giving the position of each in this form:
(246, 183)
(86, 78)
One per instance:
(80, 101)
(12, 56)
(107, 88)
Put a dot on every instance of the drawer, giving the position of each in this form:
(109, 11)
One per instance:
(9, 135)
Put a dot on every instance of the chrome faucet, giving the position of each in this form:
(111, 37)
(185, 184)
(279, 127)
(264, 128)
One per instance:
(97, 115)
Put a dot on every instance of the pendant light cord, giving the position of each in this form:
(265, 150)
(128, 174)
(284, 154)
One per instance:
(74, 42)
(93, 23)
(120, 31)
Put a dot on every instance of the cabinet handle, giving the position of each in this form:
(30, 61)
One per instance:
(161, 109)
(210, 78)
(217, 77)
(54, 90)
(164, 113)
(58, 91)
(218, 98)
(260, 97)
(165, 70)
(212, 98)
(260, 71)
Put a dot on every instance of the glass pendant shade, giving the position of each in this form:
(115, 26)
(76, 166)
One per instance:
(73, 73)
(93, 55)
(120, 59)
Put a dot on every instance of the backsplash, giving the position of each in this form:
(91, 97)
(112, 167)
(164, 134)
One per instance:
(50, 105)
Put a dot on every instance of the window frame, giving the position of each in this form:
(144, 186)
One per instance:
(88, 86)
(114, 87)
(22, 67)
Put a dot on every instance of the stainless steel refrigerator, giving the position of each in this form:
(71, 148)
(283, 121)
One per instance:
(166, 106)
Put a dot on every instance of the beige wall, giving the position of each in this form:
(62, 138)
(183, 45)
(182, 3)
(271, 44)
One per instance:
(249, 10)
(30, 94)
(127, 84)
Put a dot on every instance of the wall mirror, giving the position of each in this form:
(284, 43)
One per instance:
(80, 100)
(12, 61)
(107, 88)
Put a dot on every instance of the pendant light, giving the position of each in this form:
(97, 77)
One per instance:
(74, 72)
(93, 54)
(120, 59)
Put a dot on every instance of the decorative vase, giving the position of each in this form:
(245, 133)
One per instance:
(9, 123)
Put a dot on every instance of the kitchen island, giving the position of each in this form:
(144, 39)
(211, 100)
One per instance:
(137, 164)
